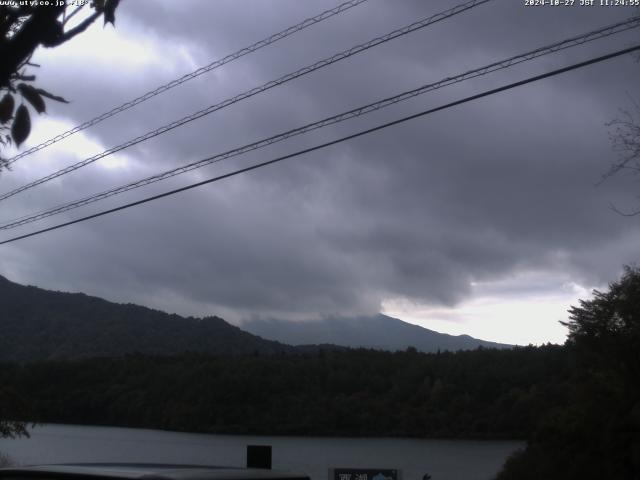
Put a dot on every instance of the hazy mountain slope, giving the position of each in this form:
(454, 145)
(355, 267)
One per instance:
(37, 324)
(379, 331)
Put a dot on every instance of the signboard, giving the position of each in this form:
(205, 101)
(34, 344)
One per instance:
(259, 456)
(364, 474)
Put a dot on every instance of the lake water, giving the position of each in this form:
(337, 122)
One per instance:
(443, 459)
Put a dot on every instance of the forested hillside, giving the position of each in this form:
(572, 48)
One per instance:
(37, 324)
(473, 394)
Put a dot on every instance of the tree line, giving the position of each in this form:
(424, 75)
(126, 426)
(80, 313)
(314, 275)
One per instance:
(484, 393)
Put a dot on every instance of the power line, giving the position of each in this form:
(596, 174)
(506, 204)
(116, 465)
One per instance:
(333, 142)
(254, 91)
(564, 44)
(196, 73)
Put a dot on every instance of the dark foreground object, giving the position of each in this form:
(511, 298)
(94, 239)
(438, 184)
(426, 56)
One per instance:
(119, 471)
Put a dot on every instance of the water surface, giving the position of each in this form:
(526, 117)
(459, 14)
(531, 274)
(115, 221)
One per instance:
(443, 459)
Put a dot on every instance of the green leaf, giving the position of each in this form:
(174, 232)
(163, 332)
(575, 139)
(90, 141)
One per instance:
(44, 93)
(98, 5)
(21, 125)
(6, 108)
(110, 11)
(26, 78)
(33, 97)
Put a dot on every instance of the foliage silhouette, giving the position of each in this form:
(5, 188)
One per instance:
(23, 28)
(597, 434)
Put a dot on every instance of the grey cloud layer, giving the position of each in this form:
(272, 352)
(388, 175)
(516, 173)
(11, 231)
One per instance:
(478, 192)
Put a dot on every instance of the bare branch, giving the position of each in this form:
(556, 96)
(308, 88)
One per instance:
(624, 134)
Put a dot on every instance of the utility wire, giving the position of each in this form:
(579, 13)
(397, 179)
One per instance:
(254, 91)
(333, 142)
(564, 44)
(196, 73)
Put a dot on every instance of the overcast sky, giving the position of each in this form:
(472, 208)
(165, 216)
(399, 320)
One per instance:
(482, 219)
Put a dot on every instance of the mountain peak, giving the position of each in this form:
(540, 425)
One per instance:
(378, 331)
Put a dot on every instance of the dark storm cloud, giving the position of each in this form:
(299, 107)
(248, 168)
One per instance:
(478, 192)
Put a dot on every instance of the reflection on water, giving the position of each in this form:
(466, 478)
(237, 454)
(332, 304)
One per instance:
(442, 459)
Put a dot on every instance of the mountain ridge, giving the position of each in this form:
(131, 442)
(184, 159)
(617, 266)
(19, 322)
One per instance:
(379, 332)
(39, 325)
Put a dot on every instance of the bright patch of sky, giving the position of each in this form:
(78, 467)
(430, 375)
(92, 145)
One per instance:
(494, 311)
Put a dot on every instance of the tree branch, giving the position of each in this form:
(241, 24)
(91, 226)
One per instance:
(71, 15)
(74, 31)
(40, 25)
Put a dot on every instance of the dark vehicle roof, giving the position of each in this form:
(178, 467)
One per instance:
(145, 471)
